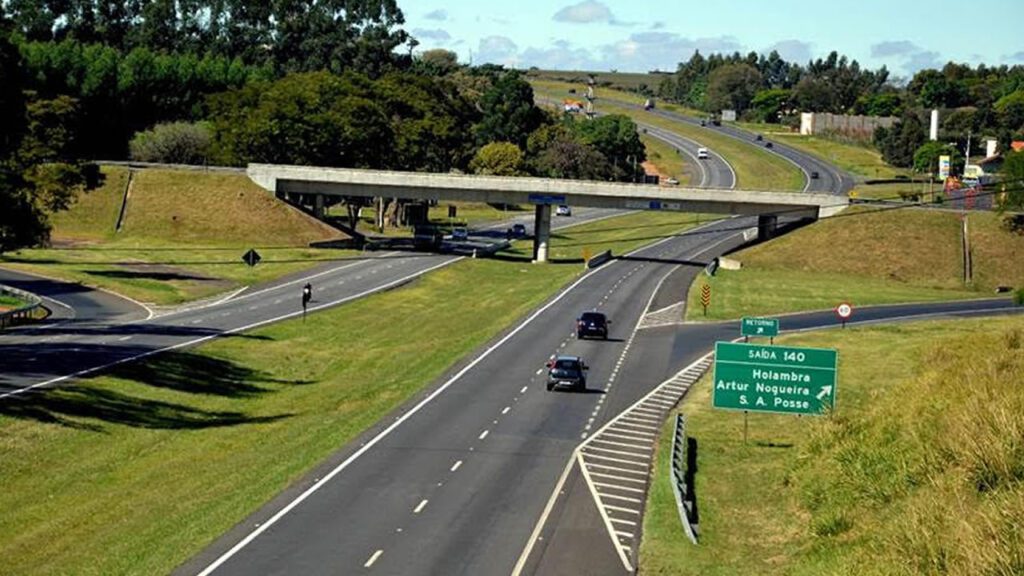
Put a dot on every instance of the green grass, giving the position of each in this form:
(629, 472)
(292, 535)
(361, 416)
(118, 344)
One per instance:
(183, 237)
(916, 472)
(897, 191)
(467, 214)
(755, 168)
(136, 471)
(667, 160)
(8, 302)
(876, 258)
(859, 160)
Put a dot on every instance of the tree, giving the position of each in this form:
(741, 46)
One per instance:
(509, 114)
(769, 105)
(615, 137)
(899, 143)
(35, 177)
(313, 119)
(172, 143)
(926, 158)
(437, 62)
(1013, 182)
(733, 87)
(814, 94)
(498, 159)
(567, 157)
(1010, 110)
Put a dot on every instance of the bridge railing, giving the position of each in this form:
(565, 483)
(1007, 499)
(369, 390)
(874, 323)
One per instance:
(30, 310)
(681, 472)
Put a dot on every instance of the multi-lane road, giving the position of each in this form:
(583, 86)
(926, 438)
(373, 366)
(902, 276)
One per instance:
(477, 476)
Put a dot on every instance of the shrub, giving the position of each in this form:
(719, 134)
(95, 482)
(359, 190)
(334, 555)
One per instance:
(172, 143)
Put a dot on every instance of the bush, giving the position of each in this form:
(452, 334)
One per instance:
(1018, 297)
(173, 143)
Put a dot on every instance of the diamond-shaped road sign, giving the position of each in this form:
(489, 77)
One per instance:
(252, 257)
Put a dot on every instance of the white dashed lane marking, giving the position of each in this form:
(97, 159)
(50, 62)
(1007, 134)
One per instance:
(419, 507)
(373, 558)
(456, 465)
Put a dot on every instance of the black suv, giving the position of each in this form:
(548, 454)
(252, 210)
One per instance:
(567, 372)
(592, 324)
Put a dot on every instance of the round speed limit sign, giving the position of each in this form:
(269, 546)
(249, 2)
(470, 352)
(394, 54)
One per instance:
(844, 311)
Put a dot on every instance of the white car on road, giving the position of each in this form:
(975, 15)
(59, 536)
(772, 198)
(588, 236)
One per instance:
(702, 153)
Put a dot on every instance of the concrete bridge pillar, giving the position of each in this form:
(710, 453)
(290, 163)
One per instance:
(766, 225)
(541, 232)
(318, 206)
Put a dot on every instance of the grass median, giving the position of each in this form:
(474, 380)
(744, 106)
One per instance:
(919, 470)
(755, 169)
(135, 471)
(866, 257)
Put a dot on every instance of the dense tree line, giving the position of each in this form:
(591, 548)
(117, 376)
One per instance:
(288, 35)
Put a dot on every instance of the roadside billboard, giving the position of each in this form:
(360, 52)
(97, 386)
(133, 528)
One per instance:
(943, 167)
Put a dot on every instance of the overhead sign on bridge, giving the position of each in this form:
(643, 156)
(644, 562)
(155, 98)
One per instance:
(546, 199)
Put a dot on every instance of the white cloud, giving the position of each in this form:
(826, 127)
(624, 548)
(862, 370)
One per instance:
(894, 48)
(1015, 57)
(585, 12)
(792, 50)
(439, 14)
(435, 35)
(498, 50)
(921, 60)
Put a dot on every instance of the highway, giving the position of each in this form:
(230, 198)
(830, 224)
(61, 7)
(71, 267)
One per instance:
(477, 475)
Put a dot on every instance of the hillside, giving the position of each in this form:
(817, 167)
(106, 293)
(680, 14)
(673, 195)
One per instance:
(919, 471)
(866, 257)
(183, 236)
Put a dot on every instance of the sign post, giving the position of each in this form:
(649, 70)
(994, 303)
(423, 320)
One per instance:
(705, 297)
(844, 311)
(779, 379)
(759, 327)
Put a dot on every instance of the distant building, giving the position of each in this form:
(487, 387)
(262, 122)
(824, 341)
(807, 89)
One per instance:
(812, 123)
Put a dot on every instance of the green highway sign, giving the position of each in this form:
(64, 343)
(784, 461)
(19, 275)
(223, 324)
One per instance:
(759, 327)
(780, 379)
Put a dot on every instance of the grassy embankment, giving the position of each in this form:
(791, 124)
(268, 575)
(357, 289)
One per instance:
(183, 237)
(919, 471)
(137, 470)
(755, 168)
(9, 302)
(876, 258)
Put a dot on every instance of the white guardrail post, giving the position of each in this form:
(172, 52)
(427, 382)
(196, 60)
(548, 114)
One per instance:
(10, 317)
(681, 472)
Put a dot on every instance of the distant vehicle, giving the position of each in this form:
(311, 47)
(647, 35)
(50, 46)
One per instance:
(517, 230)
(563, 210)
(592, 324)
(702, 153)
(703, 122)
(768, 145)
(567, 372)
(716, 122)
(572, 90)
(759, 138)
(814, 175)
(649, 104)
(460, 234)
(671, 181)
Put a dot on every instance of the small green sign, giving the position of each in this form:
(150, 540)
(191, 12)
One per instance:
(767, 327)
(779, 379)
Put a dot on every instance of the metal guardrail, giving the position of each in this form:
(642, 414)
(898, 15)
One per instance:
(681, 473)
(12, 317)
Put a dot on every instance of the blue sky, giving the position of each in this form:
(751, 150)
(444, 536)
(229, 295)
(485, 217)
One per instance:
(642, 35)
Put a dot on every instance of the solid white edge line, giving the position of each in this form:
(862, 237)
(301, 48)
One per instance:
(226, 332)
(384, 433)
(604, 513)
(521, 563)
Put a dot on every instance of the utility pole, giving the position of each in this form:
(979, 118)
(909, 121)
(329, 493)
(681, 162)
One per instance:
(967, 153)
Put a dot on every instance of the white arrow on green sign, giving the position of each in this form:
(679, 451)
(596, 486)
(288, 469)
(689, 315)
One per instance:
(781, 379)
(767, 327)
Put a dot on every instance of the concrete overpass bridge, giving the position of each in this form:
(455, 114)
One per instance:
(290, 182)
